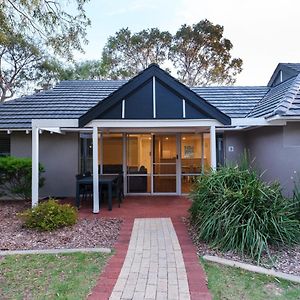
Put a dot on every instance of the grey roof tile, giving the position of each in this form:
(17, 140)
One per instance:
(275, 100)
(71, 99)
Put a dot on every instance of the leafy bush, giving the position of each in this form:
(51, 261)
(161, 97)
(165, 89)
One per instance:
(233, 209)
(50, 215)
(15, 177)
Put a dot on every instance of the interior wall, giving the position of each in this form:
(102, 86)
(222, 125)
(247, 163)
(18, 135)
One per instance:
(59, 154)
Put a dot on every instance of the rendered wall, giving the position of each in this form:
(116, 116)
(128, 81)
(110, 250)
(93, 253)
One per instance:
(59, 154)
(275, 151)
(234, 145)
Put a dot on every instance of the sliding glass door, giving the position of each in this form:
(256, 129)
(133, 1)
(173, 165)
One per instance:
(151, 163)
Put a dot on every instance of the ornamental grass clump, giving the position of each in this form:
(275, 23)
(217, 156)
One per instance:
(49, 215)
(233, 209)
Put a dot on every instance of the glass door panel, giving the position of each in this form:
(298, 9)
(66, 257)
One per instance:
(164, 163)
(139, 163)
(112, 153)
(192, 159)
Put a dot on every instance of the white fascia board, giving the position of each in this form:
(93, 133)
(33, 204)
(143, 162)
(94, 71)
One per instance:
(51, 129)
(256, 122)
(284, 118)
(153, 123)
(52, 123)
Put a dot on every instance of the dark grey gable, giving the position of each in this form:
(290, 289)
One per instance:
(172, 100)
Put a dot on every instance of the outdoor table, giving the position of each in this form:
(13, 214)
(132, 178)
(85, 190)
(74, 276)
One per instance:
(107, 180)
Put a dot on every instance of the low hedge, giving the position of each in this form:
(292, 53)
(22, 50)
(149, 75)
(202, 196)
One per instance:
(50, 215)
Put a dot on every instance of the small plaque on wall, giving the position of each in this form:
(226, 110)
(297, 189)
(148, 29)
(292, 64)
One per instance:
(230, 148)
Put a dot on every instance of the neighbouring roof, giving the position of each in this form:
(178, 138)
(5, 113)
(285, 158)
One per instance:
(283, 72)
(72, 99)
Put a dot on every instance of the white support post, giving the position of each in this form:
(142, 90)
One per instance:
(95, 172)
(35, 167)
(213, 150)
(124, 163)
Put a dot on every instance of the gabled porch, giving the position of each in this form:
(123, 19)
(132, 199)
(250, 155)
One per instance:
(154, 130)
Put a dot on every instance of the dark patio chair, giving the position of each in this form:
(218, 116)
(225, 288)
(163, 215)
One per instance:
(86, 190)
(117, 189)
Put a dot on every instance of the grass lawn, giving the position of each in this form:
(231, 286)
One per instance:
(47, 276)
(233, 283)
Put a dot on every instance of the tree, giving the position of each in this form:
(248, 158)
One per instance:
(86, 70)
(20, 63)
(201, 55)
(46, 20)
(29, 31)
(126, 54)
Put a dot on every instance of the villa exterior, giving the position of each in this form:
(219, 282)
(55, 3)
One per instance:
(157, 131)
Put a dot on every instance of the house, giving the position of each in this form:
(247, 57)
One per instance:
(157, 131)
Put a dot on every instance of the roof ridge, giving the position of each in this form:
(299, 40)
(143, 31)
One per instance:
(289, 97)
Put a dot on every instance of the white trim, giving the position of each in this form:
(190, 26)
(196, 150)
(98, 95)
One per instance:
(124, 163)
(123, 108)
(54, 123)
(153, 123)
(52, 129)
(154, 97)
(284, 119)
(281, 77)
(35, 167)
(213, 152)
(183, 108)
(95, 172)
(152, 165)
(255, 122)
(178, 164)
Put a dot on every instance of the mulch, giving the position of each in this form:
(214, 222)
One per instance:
(87, 232)
(286, 260)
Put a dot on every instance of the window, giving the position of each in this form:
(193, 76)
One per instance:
(4, 144)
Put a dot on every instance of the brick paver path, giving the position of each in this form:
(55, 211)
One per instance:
(154, 266)
(133, 211)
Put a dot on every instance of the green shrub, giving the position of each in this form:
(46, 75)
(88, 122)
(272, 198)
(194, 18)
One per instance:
(50, 215)
(15, 177)
(233, 209)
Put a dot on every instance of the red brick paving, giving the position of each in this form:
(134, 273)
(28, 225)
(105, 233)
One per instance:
(133, 207)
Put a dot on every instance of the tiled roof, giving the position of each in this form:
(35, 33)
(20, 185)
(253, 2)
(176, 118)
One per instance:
(272, 99)
(69, 99)
(72, 99)
(234, 101)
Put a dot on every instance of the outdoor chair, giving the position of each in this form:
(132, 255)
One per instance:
(117, 189)
(86, 190)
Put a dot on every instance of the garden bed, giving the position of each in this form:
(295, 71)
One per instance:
(285, 260)
(92, 232)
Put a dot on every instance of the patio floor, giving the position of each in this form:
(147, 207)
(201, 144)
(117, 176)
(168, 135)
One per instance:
(142, 207)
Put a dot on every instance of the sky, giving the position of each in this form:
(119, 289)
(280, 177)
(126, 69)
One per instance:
(263, 32)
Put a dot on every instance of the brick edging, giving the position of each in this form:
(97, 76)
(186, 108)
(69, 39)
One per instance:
(110, 274)
(196, 276)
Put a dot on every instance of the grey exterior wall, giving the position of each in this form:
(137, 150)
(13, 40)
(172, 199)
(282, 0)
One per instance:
(59, 154)
(275, 150)
(234, 145)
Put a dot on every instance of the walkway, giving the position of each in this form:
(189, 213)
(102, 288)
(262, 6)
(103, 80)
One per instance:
(154, 237)
(154, 266)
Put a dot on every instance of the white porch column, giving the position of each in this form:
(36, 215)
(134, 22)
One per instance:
(35, 167)
(95, 172)
(213, 150)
